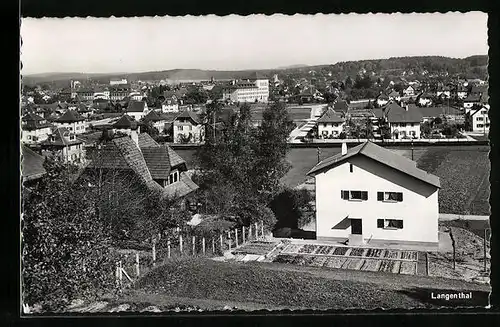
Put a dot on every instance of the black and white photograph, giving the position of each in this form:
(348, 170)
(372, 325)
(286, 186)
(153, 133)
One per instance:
(194, 164)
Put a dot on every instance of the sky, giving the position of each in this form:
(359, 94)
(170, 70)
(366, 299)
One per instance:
(109, 45)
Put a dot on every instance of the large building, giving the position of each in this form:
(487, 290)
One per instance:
(253, 89)
(34, 129)
(369, 195)
(73, 121)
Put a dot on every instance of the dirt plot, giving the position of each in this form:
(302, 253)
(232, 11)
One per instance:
(340, 251)
(308, 248)
(292, 248)
(375, 253)
(407, 268)
(371, 265)
(358, 252)
(325, 249)
(319, 261)
(391, 254)
(335, 262)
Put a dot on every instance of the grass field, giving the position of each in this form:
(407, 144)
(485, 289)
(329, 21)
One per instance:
(463, 170)
(298, 287)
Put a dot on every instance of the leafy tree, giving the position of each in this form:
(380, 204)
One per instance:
(65, 241)
(292, 208)
(148, 128)
(425, 128)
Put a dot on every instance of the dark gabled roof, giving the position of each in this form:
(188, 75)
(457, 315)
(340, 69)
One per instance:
(377, 112)
(183, 187)
(70, 116)
(60, 137)
(189, 114)
(31, 164)
(125, 122)
(394, 93)
(146, 141)
(340, 105)
(381, 155)
(396, 114)
(157, 161)
(330, 116)
(175, 159)
(383, 96)
(484, 97)
(437, 111)
(136, 106)
(153, 116)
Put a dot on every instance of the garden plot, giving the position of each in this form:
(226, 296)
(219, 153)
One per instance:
(292, 248)
(335, 262)
(371, 265)
(256, 247)
(319, 261)
(407, 268)
(375, 253)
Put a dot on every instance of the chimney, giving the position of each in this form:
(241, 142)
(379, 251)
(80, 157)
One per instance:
(134, 135)
(344, 148)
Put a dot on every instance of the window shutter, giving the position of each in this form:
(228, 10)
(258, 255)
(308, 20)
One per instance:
(380, 196)
(345, 195)
(380, 223)
(400, 197)
(364, 195)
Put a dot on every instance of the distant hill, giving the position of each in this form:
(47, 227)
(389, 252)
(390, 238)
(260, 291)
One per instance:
(475, 66)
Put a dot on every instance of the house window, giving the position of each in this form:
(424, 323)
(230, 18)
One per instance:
(350, 168)
(354, 195)
(390, 223)
(173, 177)
(179, 128)
(29, 137)
(479, 118)
(479, 125)
(390, 196)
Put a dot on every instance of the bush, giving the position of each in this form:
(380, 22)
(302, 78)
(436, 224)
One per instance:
(285, 232)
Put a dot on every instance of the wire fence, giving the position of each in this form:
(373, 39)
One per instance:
(132, 264)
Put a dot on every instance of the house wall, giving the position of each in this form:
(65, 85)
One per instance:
(418, 210)
(259, 94)
(69, 154)
(405, 129)
(186, 128)
(159, 125)
(424, 101)
(137, 115)
(481, 121)
(40, 134)
(170, 107)
(381, 102)
(469, 105)
(326, 129)
(78, 127)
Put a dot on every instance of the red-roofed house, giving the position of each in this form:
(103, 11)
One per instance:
(369, 195)
(34, 129)
(73, 121)
(330, 124)
(188, 128)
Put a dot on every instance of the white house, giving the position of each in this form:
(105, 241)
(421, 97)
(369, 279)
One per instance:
(137, 109)
(73, 121)
(330, 124)
(64, 146)
(34, 129)
(424, 99)
(137, 96)
(382, 99)
(470, 101)
(171, 104)
(481, 120)
(409, 91)
(369, 194)
(394, 95)
(188, 128)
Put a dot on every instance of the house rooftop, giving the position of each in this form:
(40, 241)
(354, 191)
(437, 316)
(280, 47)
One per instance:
(397, 114)
(330, 116)
(31, 164)
(61, 136)
(136, 106)
(189, 114)
(381, 155)
(70, 116)
(125, 122)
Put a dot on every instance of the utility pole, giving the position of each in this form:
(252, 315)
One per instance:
(318, 153)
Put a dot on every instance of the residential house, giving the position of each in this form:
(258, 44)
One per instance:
(170, 104)
(159, 120)
(158, 168)
(63, 145)
(470, 101)
(461, 92)
(424, 99)
(137, 109)
(330, 124)
(31, 164)
(101, 93)
(125, 124)
(403, 123)
(409, 91)
(73, 121)
(188, 128)
(137, 96)
(382, 99)
(394, 95)
(444, 91)
(480, 120)
(85, 94)
(34, 129)
(370, 195)
(118, 92)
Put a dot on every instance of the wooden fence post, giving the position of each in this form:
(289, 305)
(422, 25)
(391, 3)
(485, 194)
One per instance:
(137, 269)
(229, 239)
(484, 247)
(154, 253)
(203, 245)
(250, 232)
(213, 245)
(221, 244)
(120, 274)
(180, 243)
(243, 234)
(262, 229)
(194, 242)
(117, 274)
(256, 232)
(168, 249)
(426, 264)
(236, 236)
